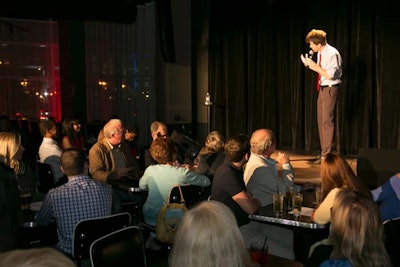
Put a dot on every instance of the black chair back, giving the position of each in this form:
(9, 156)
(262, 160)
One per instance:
(391, 238)
(123, 248)
(45, 176)
(88, 230)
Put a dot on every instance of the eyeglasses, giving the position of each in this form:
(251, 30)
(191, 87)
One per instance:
(77, 124)
(162, 135)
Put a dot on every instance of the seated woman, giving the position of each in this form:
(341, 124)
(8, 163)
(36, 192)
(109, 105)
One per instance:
(197, 245)
(336, 174)
(158, 179)
(356, 232)
(388, 197)
(72, 135)
(10, 209)
(211, 155)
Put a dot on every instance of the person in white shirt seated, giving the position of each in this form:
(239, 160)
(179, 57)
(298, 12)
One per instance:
(50, 150)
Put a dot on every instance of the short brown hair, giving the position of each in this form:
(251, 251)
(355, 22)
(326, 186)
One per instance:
(316, 36)
(46, 125)
(163, 150)
(236, 147)
(73, 161)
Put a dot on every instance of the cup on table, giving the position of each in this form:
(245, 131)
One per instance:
(25, 195)
(259, 252)
(318, 195)
(288, 199)
(297, 203)
(277, 200)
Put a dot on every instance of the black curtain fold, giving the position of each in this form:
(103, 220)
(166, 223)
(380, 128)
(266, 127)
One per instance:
(257, 79)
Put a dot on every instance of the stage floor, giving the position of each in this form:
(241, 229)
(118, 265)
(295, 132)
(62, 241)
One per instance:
(304, 168)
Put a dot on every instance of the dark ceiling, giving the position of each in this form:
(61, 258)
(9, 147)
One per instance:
(120, 11)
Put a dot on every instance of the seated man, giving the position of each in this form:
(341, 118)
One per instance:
(110, 159)
(50, 151)
(80, 198)
(261, 177)
(388, 197)
(158, 130)
(228, 186)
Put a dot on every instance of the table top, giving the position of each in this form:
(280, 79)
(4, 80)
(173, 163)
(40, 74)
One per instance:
(127, 184)
(266, 214)
(274, 261)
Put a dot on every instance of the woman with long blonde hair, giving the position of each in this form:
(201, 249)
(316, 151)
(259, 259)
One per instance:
(356, 232)
(11, 150)
(10, 209)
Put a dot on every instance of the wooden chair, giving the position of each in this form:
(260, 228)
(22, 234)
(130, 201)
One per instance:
(88, 230)
(123, 248)
(391, 238)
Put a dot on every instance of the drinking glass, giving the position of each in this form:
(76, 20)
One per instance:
(288, 199)
(277, 200)
(297, 203)
(318, 195)
(259, 252)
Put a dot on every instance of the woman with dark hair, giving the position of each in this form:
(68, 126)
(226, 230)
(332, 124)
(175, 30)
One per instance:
(72, 135)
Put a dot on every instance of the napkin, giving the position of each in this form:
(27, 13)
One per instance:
(305, 211)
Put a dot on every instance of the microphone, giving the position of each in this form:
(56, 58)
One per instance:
(310, 53)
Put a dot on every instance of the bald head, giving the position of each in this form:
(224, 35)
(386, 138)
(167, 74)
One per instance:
(261, 140)
(113, 131)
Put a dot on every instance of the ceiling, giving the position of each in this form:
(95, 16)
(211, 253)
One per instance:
(121, 11)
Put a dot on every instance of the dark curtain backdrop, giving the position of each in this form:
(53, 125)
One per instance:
(256, 78)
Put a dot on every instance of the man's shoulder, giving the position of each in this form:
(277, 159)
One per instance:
(99, 145)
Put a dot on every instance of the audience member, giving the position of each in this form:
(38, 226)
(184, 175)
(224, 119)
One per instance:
(336, 174)
(356, 232)
(29, 138)
(50, 151)
(159, 130)
(10, 208)
(72, 134)
(12, 153)
(110, 159)
(228, 186)
(131, 135)
(35, 257)
(261, 176)
(388, 197)
(212, 155)
(160, 178)
(80, 198)
(197, 245)
(261, 173)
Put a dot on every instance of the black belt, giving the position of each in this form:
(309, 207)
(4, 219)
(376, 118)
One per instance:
(332, 85)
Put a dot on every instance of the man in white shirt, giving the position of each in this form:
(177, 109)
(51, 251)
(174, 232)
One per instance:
(50, 151)
(262, 180)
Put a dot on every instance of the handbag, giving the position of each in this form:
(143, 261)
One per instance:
(170, 215)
